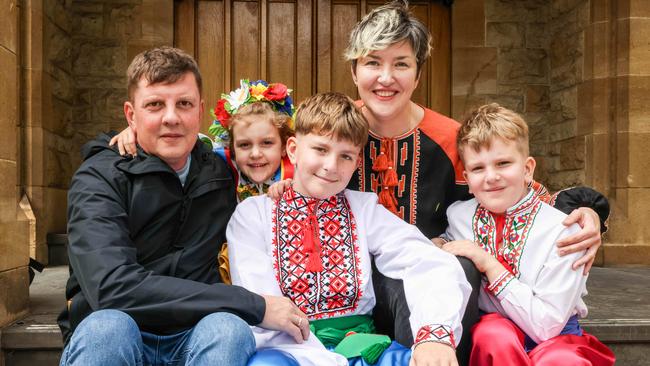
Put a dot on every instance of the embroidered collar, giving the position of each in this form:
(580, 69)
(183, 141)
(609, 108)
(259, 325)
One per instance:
(298, 201)
(529, 200)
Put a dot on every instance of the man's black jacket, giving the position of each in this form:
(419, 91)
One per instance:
(142, 243)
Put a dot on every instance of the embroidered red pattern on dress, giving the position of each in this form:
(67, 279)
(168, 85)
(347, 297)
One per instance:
(336, 289)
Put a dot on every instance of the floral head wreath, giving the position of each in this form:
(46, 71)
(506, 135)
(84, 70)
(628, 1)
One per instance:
(276, 94)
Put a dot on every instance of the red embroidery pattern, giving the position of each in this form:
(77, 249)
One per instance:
(336, 289)
(435, 333)
(519, 220)
(501, 283)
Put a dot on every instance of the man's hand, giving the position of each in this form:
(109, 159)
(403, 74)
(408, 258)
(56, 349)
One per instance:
(277, 189)
(588, 238)
(282, 314)
(126, 141)
(439, 242)
(433, 353)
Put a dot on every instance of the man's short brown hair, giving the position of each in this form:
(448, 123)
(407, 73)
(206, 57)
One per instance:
(492, 121)
(161, 65)
(333, 114)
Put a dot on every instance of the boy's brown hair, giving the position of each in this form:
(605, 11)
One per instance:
(161, 65)
(492, 121)
(333, 114)
(261, 110)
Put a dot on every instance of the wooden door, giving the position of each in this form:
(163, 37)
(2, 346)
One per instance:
(297, 42)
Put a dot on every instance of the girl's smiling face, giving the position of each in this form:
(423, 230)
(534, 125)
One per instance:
(257, 146)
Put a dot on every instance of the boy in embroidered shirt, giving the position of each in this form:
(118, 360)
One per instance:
(314, 246)
(531, 297)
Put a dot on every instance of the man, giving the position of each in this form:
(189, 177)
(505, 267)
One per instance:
(144, 235)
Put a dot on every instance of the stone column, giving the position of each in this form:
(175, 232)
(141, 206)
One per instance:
(621, 148)
(14, 237)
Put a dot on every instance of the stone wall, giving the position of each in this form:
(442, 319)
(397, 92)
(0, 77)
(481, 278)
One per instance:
(578, 71)
(14, 235)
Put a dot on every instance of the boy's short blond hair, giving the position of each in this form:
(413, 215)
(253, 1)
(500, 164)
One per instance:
(161, 65)
(261, 110)
(333, 114)
(492, 121)
(385, 26)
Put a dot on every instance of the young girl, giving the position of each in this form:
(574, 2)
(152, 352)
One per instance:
(251, 127)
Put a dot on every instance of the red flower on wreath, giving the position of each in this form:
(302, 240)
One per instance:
(276, 91)
(221, 113)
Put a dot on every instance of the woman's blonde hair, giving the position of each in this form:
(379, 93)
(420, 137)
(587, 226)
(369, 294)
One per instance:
(492, 121)
(384, 26)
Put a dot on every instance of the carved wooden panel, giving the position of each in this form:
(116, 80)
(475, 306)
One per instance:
(297, 42)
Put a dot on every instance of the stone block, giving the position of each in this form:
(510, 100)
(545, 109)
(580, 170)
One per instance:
(522, 66)
(14, 295)
(536, 36)
(158, 21)
(62, 85)
(633, 165)
(468, 23)
(562, 131)
(572, 154)
(515, 11)
(82, 8)
(593, 106)
(630, 216)
(567, 63)
(9, 21)
(639, 8)
(513, 102)
(599, 10)
(564, 105)
(8, 104)
(14, 244)
(638, 99)
(537, 98)
(123, 21)
(596, 51)
(623, 46)
(474, 71)
(34, 154)
(8, 193)
(598, 162)
(461, 105)
(89, 25)
(506, 34)
(58, 163)
(563, 179)
(60, 13)
(103, 58)
(639, 54)
(57, 47)
(626, 254)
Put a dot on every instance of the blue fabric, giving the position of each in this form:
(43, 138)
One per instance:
(272, 357)
(572, 327)
(394, 355)
(111, 337)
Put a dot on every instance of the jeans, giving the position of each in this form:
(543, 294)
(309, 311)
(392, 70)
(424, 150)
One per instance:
(111, 337)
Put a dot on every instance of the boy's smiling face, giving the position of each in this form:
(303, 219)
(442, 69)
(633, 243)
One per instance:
(323, 164)
(498, 176)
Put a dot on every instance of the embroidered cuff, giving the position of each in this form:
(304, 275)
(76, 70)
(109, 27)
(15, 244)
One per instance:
(500, 283)
(435, 333)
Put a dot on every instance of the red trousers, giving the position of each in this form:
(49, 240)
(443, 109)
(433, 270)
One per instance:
(499, 341)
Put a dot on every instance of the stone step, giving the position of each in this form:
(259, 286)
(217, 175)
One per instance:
(619, 315)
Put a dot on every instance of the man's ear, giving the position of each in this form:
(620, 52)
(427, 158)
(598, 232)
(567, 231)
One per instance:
(129, 113)
(291, 149)
(201, 110)
(529, 169)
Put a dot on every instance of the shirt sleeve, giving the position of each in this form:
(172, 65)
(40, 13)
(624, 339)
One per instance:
(541, 310)
(104, 260)
(434, 282)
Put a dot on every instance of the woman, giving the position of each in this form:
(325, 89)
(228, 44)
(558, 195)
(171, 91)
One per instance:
(411, 161)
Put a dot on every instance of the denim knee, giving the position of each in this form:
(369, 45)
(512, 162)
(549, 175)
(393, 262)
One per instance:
(221, 339)
(105, 337)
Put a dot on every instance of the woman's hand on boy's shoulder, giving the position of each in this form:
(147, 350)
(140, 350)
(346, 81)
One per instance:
(126, 142)
(433, 353)
(277, 189)
(588, 238)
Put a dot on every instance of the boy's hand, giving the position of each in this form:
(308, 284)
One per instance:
(438, 242)
(126, 141)
(433, 353)
(283, 315)
(483, 260)
(588, 238)
(277, 189)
